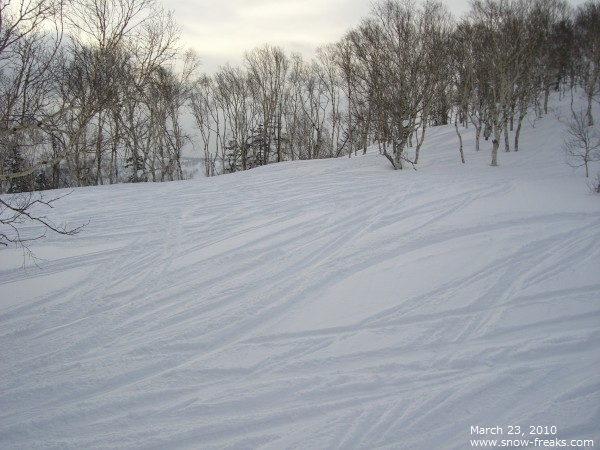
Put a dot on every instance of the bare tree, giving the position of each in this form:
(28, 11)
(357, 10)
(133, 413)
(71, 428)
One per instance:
(582, 142)
(587, 24)
(21, 19)
(119, 53)
(537, 22)
(331, 78)
(234, 97)
(293, 100)
(498, 44)
(435, 30)
(267, 67)
(27, 116)
(30, 37)
(77, 113)
(401, 47)
(207, 116)
(462, 80)
(552, 24)
(314, 109)
(350, 85)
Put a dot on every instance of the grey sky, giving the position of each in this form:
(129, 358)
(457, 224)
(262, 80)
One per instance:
(221, 30)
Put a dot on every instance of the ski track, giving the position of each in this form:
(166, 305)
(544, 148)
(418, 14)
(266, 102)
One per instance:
(230, 313)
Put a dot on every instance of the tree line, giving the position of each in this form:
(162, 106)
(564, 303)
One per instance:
(88, 94)
(95, 91)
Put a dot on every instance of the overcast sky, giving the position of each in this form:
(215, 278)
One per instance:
(221, 30)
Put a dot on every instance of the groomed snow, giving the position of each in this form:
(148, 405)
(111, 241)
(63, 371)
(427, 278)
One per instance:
(331, 304)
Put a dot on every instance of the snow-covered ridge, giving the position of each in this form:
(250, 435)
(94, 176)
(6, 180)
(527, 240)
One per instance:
(316, 304)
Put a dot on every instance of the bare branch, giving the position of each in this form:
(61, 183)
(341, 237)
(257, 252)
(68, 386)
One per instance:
(19, 209)
(582, 144)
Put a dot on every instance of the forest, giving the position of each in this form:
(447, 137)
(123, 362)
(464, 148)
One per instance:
(96, 92)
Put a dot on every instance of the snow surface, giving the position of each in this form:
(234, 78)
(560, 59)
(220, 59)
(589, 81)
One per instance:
(308, 305)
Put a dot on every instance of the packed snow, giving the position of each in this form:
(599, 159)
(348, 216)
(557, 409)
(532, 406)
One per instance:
(332, 304)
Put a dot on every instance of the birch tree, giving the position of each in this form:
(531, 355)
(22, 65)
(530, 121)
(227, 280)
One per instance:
(27, 54)
(587, 36)
(267, 67)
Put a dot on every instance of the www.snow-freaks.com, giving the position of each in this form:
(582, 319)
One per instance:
(537, 442)
(517, 431)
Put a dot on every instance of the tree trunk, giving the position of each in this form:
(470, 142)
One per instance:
(383, 146)
(460, 148)
(506, 136)
(519, 126)
(590, 117)
(99, 150)
(420, 143)
(477, 137)
(397, 155)
(496, 126)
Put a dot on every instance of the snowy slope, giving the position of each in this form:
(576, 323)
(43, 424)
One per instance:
(310, 305)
